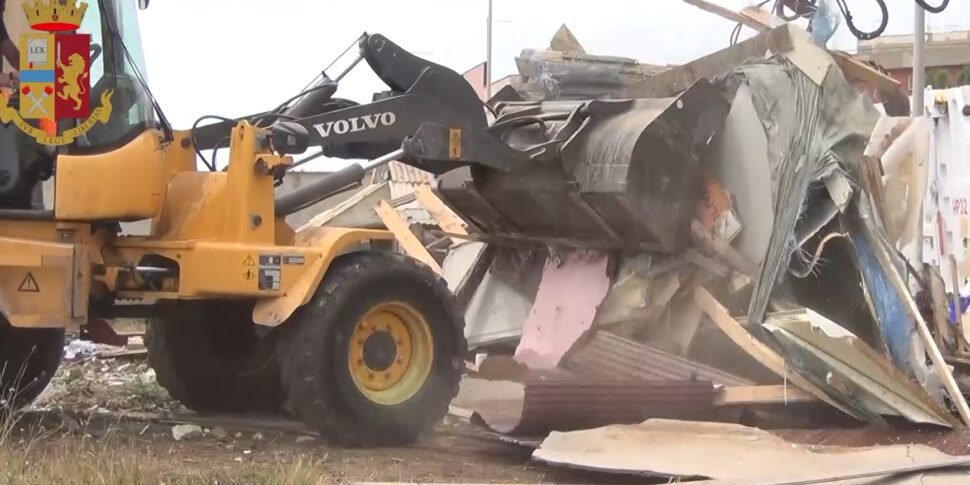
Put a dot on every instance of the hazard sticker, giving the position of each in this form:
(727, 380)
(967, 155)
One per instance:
(29, 284)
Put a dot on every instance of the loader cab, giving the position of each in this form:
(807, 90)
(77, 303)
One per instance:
(113, 67)
(115, 57)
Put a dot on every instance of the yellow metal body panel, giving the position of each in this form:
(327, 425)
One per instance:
(328, 242)
(214, 234)
(126, 184)
(45, 273)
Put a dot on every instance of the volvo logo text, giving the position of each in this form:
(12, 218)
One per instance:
(353, 125)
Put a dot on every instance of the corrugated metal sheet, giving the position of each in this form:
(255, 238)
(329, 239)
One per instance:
(570, 403)
(404, 173)
(608, 356)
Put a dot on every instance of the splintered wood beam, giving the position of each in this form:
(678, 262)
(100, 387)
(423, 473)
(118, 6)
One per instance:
(755, 348)
(749, 17)
(754, 395)
(408, 241)
(447, 220)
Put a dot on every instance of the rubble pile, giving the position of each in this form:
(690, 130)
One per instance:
(99, 378)
(790, 296)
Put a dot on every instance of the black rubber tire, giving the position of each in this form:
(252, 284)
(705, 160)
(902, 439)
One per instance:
(313, 349)
(29, 357)
(209, 356)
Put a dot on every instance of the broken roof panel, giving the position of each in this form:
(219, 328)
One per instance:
(850, 371)
(608, 356)
(670, 449)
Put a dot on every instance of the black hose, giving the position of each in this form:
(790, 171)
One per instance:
(308, 195)
(859, 34)
(940, 9)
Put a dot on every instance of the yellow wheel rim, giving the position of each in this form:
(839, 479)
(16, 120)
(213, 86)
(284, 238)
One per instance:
(391, 352)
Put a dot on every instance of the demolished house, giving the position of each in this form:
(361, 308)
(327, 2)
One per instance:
(727, 244)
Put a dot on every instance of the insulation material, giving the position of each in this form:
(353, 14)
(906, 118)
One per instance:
(716, 209)
(564, 307)
(740, 163)
(902, 146)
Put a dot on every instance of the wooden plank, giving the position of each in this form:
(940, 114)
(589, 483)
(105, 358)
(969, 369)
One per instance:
(748, 19)
(353, 212)
(723, 250)
(676, 79)
(955, 283)
(938, 297)
(411, 244)
(755, 348)
(750, 395)
(447, 220)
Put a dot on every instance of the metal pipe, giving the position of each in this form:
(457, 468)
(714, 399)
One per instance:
(384, 160)
(919, 69)
(352, 65)
(488, 54)
(334, 183)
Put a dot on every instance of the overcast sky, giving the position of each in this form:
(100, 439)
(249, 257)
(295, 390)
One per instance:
(234, 57)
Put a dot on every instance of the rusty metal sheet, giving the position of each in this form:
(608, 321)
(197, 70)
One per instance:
(951, 442)
(570, 403)
(610, 356)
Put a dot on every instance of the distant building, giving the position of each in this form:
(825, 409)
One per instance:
(947, 58)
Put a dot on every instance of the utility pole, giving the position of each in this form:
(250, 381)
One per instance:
(488, 54)
(919, 46)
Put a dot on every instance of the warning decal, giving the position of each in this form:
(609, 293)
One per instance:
(249, 261)
(29, 284)
(270, 273)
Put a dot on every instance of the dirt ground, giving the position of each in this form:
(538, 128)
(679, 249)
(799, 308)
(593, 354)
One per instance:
(42, 450)
(107, 421)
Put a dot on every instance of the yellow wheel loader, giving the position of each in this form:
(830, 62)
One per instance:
(362, 342)
(244, 314)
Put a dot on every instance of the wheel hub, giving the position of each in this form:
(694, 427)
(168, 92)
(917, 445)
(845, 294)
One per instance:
(391, 351)
(379, 350)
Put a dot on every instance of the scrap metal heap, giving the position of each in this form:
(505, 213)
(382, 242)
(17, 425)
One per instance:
(715, 234)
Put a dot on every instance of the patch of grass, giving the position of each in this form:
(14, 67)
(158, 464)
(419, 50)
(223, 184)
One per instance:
(89, 461)
(37, 456)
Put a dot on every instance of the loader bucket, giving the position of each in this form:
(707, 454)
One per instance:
(627, 171)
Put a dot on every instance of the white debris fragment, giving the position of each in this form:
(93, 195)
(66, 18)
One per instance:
(258, 436)
(218, 433)
(147, 377)
(79, 349)
(186, 431)
(304, 439)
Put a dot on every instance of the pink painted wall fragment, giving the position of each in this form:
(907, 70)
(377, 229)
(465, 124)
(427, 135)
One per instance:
(564, 308)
